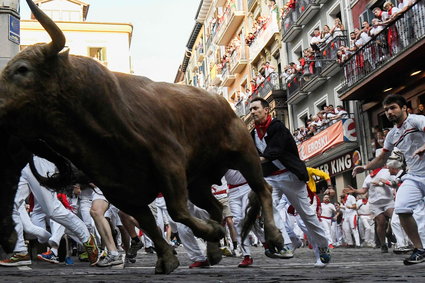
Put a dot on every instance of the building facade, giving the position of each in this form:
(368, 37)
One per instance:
(107, 42)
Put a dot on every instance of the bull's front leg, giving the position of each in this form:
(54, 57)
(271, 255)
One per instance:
(167, 262)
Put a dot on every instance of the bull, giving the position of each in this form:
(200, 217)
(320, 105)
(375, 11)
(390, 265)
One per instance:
(133, 137)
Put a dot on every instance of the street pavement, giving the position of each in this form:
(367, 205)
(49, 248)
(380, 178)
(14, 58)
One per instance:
(348, 265)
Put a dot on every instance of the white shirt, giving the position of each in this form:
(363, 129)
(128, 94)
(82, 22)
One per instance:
(408, 138)
(363, 209)
(223, 188)
(350, 202)
(379, 194)
(328, 209)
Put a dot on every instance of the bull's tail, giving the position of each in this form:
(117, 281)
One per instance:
(251, 214)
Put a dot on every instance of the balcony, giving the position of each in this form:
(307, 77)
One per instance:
(263, 37)
(307, 8)
(251, 5)
(330, 64)
(239, 60)
(227, 79)
(289, 27)
(231, 20)
(215, 75)
(242, 107)
(271, 84)
(333, 134)
(293, 89)
(200, 55)
(386, 63)
(220, 3)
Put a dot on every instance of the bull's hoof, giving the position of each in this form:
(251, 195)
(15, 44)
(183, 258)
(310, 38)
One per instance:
(217, 233)
(274, 239)
(166, 265)
(213, 253)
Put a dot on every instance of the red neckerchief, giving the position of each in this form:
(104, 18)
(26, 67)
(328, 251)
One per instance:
(374, 172)
(390, 11)
(262, 128)
(345, 198)
(364, 201)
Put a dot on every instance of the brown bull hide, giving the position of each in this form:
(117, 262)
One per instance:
(133, 137)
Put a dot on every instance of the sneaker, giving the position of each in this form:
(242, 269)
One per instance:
(320, 264)
(16, 260)
(236, 253)
(331, 246)
(91, 249)
(402, 250)
(110, 260)
(384, 249)
(134, 248)
(226, 251)
(284, 253)
(200, 264)
(325, 255)
(69, 261)
(150, 250)
(49, 257)
(247, 261)
(417, 256)
(83, 257)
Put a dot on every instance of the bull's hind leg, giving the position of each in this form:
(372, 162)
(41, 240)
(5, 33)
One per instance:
(201, 196)
(252, 172)
(167, 261)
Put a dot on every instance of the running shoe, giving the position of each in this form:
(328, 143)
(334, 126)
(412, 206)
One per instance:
(16, 259)
(417, 256)
(91, 249)
(110, 260)
(247, 261)
(69, 260)
(48, 256)
(325, 255)
(200, 264)
(134, 248)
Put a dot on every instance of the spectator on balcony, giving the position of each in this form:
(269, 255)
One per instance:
(250, 38)
(340, 112)
(379, 14)
(338, 28)
(326, 36)
(254, 85)
(420, 110)
(315, 39)
(268, 69)
(393, 39)
(377, 27)
(274, 10)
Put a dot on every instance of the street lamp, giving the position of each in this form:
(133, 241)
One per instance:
(9, 30)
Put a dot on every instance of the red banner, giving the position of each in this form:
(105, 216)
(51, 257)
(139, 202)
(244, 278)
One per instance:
(321, 142)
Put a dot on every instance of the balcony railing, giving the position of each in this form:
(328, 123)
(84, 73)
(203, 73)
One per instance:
(269, 28)
(242, 107)
(329, 51)
(301, 80)
(238, 59)
(233, 11)
(270, 83)
(297, 15)
(393, 40)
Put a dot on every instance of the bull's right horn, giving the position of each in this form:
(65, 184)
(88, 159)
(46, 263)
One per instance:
(58, 38)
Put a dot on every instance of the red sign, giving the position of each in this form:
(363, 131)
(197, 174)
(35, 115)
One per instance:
(321, 142)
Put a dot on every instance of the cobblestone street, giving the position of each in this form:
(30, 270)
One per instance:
(348, 265)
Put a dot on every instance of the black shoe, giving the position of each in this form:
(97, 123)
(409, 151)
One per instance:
(384, 249)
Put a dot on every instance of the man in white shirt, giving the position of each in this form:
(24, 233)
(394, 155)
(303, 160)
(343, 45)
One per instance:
(408, 135)
(328, 211)
(349, 226)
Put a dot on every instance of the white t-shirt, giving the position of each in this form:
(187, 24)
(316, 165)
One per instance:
(362, 209)
(350, 202)
(408, 138)
(379, 194)
(221, 190)
(328, 209)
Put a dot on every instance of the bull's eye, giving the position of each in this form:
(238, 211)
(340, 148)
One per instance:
(22, 70)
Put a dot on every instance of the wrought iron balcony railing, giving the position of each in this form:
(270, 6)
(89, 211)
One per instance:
(396, 38)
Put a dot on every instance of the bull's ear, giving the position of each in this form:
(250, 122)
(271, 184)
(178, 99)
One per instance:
(65, 52)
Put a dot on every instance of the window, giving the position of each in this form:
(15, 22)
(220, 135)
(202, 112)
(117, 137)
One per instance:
(297, 52)
(323, 101)
(302, 118)
(98, 53)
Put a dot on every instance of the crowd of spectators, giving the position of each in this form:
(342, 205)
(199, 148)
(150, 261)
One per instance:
(320, 121)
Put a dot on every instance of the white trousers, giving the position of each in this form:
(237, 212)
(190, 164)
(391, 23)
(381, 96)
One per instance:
(350, 230)
(194, 247)
(368, 231)
(296, 192)
(49, 202)
(327, 226)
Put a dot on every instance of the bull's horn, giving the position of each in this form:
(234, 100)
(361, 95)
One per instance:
(58, 38)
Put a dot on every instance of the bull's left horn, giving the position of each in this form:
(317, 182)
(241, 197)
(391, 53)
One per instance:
(58, 38)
